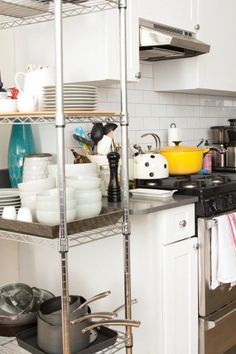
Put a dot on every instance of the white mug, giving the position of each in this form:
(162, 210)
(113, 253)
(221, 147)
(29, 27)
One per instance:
(9, 212)
(24, 214)
(36, 166)
(104, 145)
(26, 102)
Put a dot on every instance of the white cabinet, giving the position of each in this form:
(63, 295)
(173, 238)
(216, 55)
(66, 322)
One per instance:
(181, 14)
(210, 73)
(164, 264)
(91, 46)
(180, 300)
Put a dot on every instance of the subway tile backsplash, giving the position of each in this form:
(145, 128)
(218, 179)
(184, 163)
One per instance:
(151, 111)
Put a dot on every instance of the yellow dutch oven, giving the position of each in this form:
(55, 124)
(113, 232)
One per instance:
(183, 160)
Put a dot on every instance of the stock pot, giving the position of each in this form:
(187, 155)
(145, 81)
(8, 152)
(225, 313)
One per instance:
(183, 160)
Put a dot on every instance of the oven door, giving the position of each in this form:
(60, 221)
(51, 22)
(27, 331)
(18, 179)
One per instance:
(210, 300)
(217, 332)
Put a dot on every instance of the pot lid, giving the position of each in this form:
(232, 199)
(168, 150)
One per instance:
(181, 148)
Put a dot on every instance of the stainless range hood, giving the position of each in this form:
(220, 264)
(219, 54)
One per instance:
(158, 42)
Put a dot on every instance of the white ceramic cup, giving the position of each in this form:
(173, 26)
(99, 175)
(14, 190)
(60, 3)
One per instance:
(9, 212)
(24, 214)
(104, 145)
(36, 166)
(27, 102)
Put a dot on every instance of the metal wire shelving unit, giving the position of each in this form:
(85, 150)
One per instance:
(29, 12)
(15, 13)
(10, 346)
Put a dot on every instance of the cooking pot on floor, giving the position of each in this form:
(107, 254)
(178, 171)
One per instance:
(183, 160)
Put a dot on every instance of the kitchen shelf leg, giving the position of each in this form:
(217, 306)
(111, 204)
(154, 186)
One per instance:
(60, 127)
(125, 175)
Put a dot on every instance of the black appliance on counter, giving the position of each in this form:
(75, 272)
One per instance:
(217, 308)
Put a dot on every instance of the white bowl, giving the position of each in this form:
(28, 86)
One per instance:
(8, 105)
(80, 169)
(100, 160)
(38, 185)
(52, 195)
(85, 211)
(53, 217)
(55, 206)
(29, 202)
(89, 196)
(83, 183)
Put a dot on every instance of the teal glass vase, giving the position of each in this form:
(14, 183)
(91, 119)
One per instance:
(21, 143)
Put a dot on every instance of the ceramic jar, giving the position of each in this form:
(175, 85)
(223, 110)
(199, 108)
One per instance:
(36, 166)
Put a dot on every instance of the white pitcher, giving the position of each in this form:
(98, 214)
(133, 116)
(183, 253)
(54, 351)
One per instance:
(34, 82)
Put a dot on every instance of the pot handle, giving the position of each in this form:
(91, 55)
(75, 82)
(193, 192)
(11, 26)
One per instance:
(157, 141)
(92, 299)
(126, 323)
(120, 308)
(103, 315)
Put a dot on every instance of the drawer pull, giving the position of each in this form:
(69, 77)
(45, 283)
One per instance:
(182, 223)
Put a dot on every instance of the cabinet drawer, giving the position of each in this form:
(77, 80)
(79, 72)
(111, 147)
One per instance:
(179, 224)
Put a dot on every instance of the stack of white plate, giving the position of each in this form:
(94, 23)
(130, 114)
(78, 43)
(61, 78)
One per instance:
(9, 197)
(76, 97)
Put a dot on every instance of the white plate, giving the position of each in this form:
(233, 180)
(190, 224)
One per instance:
(8, 193)
(71, 84)
(71, 105)
(71, 108)
(73, 99)
(72, 94)
(157, 193)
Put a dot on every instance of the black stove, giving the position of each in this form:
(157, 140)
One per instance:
(217, 193)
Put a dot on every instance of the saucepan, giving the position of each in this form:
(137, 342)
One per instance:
(50, 336)
(183, 160)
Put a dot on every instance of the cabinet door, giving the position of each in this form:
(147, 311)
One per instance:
(180, 298)
(217, 27)
(181, 14)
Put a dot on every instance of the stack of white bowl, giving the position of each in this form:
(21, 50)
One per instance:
(88, 195)
(48, 206)
(28, 191)
(84, 178)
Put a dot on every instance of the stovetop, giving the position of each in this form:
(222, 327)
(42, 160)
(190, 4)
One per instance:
(217, 193)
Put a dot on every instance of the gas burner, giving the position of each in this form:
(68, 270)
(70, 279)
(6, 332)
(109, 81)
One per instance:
(190, 184)
(220, 180)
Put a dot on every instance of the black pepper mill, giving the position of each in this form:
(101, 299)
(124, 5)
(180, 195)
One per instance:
(114, 192)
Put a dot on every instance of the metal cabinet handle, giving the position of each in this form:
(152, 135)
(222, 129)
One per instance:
(183, 223)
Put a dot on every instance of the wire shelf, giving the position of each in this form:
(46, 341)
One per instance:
(25, 12)
(10, 346)
(49, 117)
(77, 239)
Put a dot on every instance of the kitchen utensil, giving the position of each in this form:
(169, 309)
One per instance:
(9, 213)
(219, 135)
(83, 141)
(24, 214)
(104, 145)
(114, 190)
(34, 81)
(27, 102)
(155, 193)
(50, 310)
(36, 166)
(49, 337)
(151, 164)
(16, 298)
(26, 317)
(126, 323)
(7, 105)
(109, 127)
(79, 158)
(231, 155)
(97, 132)
(183, 159)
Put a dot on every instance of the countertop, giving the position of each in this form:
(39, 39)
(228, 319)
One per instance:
(144, 205)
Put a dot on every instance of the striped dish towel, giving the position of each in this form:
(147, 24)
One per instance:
(223, 251)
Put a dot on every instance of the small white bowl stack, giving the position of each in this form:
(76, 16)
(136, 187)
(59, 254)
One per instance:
(83, 194)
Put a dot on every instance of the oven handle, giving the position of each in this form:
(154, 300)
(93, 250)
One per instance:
(212, 324)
